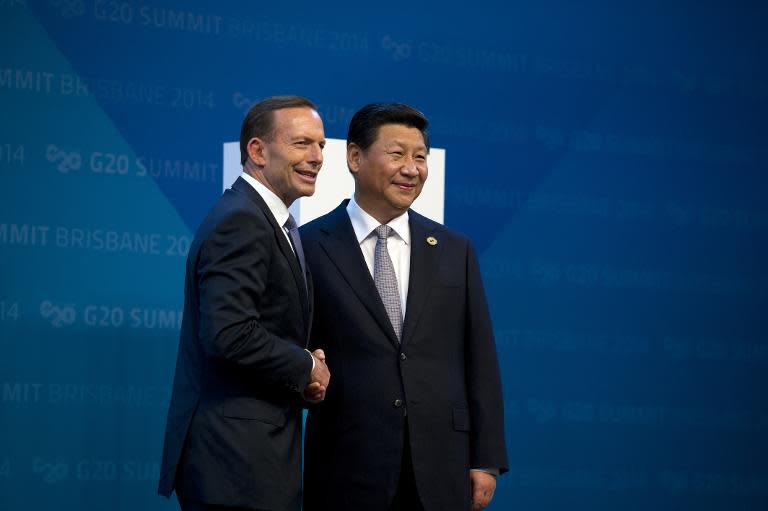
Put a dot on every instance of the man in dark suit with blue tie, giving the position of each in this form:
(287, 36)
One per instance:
(233, 435)
(414, 417)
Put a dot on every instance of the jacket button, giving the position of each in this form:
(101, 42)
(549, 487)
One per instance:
(397, 403)
(402, 356)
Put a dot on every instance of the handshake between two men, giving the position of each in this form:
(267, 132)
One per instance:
(425, 395)
(314, 392)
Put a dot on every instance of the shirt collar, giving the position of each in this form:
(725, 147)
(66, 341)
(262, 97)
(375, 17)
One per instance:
(364, 224)
(276, 206)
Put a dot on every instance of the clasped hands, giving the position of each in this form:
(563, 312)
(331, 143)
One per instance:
(314, 392)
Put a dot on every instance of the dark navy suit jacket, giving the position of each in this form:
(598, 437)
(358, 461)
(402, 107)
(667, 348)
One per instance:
(233, 435)
(444, 375)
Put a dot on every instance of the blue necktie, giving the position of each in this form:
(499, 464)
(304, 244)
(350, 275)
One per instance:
(293, 234)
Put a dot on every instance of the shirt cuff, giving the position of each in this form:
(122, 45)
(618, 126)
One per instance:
(493, 471)
(313, 359)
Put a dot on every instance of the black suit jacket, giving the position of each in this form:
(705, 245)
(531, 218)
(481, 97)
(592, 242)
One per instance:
(445, 373)
(233, 435)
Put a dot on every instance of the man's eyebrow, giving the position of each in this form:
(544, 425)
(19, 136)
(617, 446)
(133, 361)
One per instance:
(400, 142)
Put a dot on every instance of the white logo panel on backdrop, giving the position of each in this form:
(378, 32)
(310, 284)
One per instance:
(335, 183)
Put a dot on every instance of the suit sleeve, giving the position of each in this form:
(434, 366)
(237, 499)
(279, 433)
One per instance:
(232, 273)
(488, 449)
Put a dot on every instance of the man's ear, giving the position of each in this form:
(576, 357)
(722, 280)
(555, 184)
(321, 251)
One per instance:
(257, 149)
(354, 155)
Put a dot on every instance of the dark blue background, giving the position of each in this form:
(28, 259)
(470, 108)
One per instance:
(608, 160)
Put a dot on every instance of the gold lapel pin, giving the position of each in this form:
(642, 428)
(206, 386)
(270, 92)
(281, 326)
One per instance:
(432, 241)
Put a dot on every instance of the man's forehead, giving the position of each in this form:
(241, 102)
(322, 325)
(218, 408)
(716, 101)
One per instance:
(287, 120)
(293, 114)
(396, 133)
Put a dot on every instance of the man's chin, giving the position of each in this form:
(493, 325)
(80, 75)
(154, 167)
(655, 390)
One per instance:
(404, 200)
(306, 190)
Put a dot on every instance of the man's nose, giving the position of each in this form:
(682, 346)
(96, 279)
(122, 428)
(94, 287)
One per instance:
(316, 155)
(409, 167)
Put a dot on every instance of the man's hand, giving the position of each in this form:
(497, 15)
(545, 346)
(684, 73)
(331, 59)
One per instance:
(314, 392)
(483, 485)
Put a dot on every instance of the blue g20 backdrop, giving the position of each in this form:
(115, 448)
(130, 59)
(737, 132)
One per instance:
(608, 160)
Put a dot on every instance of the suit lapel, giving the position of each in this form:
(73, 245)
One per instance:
(424, 262)
(343, 250)
(311, 297)
(241, 186)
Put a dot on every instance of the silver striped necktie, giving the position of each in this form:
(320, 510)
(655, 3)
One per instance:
(386, 281)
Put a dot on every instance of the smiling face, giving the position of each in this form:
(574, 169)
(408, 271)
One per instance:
(289, 162)
(390, 174)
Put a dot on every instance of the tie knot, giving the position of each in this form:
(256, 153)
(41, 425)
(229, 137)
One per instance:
(383, 232)
(290, 224)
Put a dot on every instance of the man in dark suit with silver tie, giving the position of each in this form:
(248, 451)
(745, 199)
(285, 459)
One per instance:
(233, 436)
(414, 418)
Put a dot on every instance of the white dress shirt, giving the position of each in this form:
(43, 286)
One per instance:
(276, 206)
(398, 244)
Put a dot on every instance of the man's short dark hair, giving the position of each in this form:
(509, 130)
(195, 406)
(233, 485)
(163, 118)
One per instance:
(259, 121)
(365, 124)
